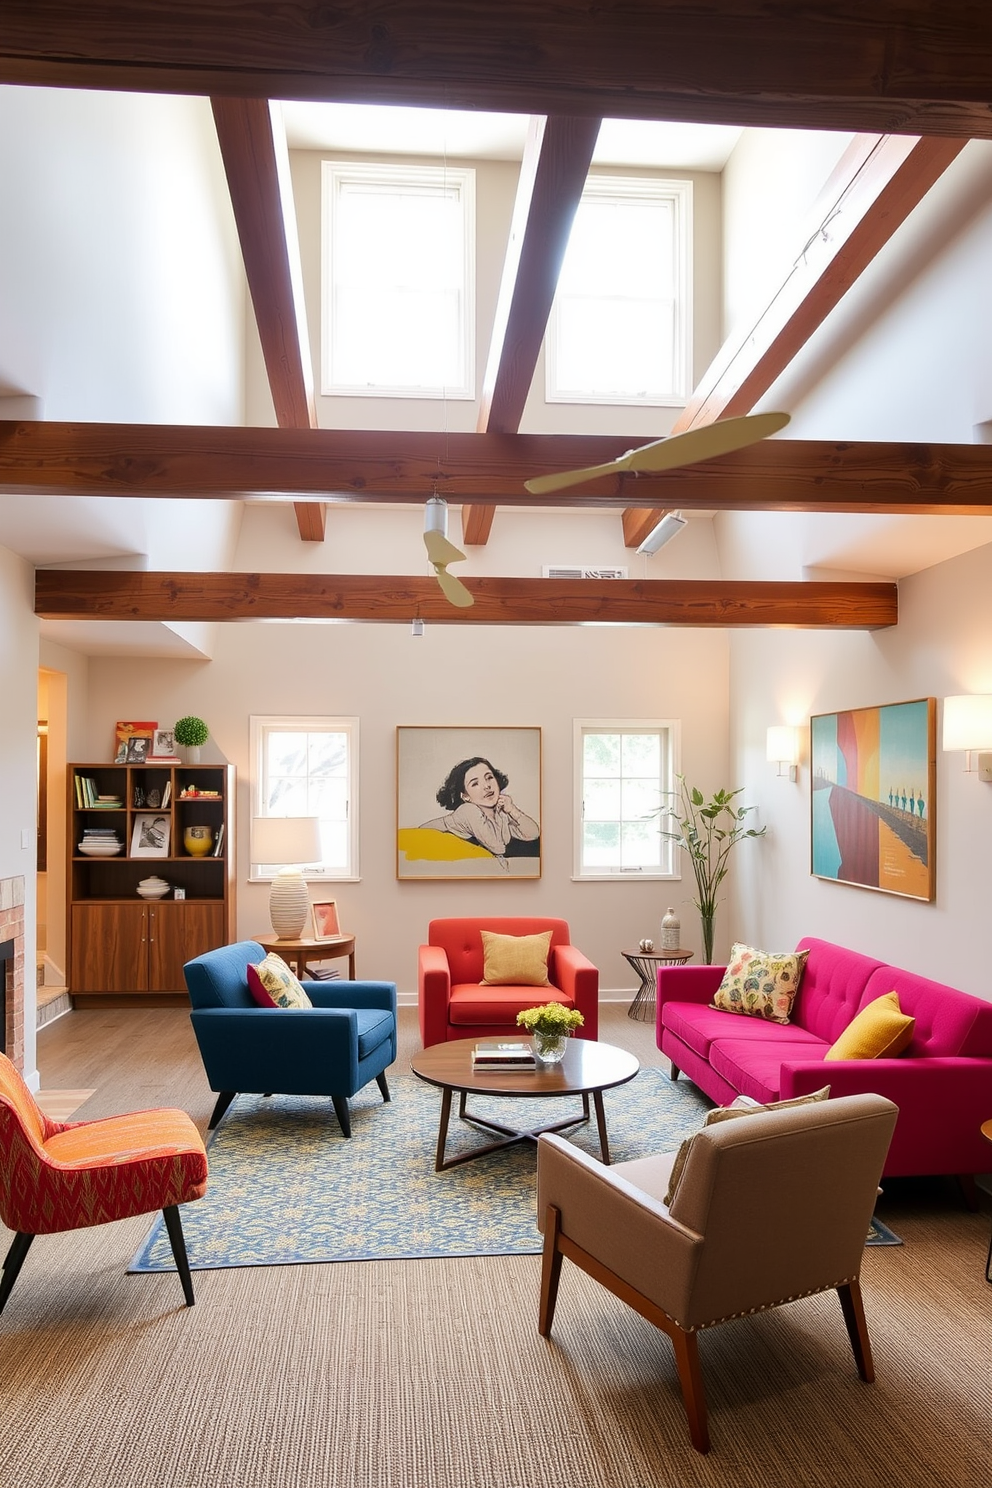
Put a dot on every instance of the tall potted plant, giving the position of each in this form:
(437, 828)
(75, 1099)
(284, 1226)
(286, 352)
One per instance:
(707, 831)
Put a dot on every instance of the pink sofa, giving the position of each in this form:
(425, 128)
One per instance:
(942, 1084)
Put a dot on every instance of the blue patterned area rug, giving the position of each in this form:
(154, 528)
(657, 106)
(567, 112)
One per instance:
(286, 1188)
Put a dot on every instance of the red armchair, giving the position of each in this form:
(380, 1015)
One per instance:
(455, 1004)
(66, 1175)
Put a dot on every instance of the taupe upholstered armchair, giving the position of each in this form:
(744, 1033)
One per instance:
(770, 1207)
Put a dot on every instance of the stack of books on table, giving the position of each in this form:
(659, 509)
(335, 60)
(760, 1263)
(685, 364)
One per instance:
(503, 1054)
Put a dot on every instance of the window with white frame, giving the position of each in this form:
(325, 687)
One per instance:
(624, 779)
(398, 298)
(303, 766)
(620, 330)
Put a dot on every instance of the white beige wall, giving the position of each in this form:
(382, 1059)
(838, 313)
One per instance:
(942, 645)
(453, 675)
(18, 756)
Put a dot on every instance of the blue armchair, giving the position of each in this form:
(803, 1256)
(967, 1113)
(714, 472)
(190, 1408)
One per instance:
(334, 1048)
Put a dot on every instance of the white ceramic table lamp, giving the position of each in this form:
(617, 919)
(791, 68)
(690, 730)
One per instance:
(290, 841)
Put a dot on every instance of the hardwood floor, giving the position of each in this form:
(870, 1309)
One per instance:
(135, 1057)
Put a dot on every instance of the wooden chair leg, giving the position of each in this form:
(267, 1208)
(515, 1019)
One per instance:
(550, 1271)
(857, 1329)
(691, 1379)
(342, 1113)
(673, 1070)
(223, 1101)
(13, 1262)
(177, 1240)
(380, 1080)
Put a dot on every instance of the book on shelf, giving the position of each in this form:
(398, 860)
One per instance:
(503, 1054)
(167, 793)
(219, 844)
(86, 791)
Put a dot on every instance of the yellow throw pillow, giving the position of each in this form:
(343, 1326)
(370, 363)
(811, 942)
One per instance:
(880, 1031)
(760, 984)
(727, 1113)
(515, 960)
(273, 979)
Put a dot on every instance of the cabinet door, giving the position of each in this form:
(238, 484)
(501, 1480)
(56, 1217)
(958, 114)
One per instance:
(178, 931)
(109, 948)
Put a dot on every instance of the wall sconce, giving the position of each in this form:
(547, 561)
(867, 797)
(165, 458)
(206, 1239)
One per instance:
(783, 749)
(968, 726)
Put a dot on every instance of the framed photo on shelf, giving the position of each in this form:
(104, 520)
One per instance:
(139, 747)
(123, 735)
(872, 801)
(164, 745)
(150, 838)
(325, 919)
(468, 803)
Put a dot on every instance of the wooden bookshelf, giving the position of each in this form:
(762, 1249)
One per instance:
(124, 949)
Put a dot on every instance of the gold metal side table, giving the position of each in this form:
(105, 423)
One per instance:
(646, 964)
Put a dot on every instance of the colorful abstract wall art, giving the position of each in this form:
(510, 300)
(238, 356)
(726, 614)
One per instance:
(873, 779)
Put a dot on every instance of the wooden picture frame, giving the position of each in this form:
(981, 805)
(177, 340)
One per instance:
(150, 835)
(872, 806)
(484, 824)
(325, 919)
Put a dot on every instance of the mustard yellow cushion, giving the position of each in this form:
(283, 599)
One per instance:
(880, 1031)
(515, 960)
(727, 1113)
(760, 984)
(272, 984)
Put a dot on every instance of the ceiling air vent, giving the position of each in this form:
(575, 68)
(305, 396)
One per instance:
(563, 571)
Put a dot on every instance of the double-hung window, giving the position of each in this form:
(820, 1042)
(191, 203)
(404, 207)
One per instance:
(304, 766)
(620, 330)
(624, 777)
(398, 300)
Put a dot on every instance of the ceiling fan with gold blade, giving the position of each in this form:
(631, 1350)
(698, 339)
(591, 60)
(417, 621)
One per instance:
(719, 438)
(441, 552)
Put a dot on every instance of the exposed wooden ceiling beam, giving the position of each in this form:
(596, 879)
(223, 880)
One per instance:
(354, 465)
(72, 594)
(256, 161)
(553, 173)
(896, 66)
(874, 187)
(866, 199)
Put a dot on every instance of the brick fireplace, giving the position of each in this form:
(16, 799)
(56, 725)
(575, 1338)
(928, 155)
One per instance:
(12, 968)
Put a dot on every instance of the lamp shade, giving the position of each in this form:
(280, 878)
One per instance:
(782, 745)
(290, 841)
(968, 722)
(285, 839)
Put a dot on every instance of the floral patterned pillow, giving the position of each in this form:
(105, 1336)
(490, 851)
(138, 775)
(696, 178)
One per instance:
(760, 984)
(272, 984)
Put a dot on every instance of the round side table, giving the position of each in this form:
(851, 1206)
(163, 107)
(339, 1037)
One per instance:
(646, 964)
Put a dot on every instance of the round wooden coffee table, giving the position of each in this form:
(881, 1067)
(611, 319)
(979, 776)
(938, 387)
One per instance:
(587, 1070)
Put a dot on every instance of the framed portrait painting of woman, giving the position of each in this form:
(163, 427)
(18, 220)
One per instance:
(468, 803)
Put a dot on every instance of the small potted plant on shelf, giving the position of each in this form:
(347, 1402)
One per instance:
(191, 733)
(551, 1024)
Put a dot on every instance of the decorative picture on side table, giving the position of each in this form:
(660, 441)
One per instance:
(468, 803)
(873, 777)
(325, 918)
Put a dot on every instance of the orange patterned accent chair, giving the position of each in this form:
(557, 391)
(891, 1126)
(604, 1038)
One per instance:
(67, 1175)
(454, 1001)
